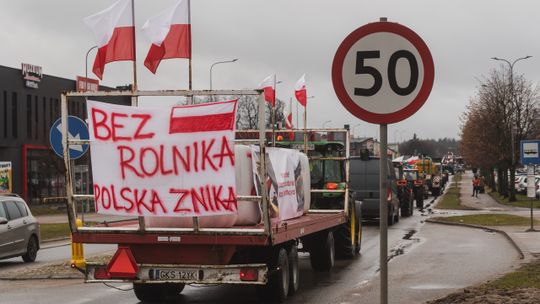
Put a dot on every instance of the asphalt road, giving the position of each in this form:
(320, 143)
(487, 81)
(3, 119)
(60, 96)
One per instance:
(425, 261)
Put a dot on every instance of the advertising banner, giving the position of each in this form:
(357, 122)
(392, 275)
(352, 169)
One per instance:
(5, 177)
(167, 161)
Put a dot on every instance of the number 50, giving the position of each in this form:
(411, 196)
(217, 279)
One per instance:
(361, 68)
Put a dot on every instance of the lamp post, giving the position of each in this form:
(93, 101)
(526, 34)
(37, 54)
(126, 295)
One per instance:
(86, 68)
(212, 67)
(324, 123)
(354, 127)
(512, 99)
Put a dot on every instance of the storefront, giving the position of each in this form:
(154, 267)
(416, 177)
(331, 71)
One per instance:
(29, 105)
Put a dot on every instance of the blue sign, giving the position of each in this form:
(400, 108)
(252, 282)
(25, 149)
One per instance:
(77, 129)
(529, 152)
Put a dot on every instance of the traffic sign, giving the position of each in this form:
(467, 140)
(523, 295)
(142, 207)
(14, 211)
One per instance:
(383, 72)
(529, 152)
(77, 129)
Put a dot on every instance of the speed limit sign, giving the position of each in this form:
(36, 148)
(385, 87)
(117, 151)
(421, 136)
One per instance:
(383, 72)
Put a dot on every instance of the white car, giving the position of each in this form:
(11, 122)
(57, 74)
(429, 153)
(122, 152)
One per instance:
(19, 230)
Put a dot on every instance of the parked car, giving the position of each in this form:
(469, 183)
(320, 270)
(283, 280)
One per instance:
(364, 183)
(19, 230)
(522, 185)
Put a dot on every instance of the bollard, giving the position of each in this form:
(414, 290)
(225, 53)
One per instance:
(77, 252)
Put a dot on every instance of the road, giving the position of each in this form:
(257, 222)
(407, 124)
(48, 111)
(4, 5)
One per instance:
(419, 255)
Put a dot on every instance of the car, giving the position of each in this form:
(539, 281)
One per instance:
(522, 185)
(19, 229)
(364, 184)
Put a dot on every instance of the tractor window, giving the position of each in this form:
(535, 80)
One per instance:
(316, 169)
(332, 171)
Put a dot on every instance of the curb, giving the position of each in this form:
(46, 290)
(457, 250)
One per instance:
(512, 242)
(55, 240)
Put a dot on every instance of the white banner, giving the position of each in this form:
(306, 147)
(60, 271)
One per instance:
(284, 181)
(167, 161)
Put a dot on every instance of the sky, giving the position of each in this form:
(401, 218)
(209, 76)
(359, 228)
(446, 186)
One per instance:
(289, 38)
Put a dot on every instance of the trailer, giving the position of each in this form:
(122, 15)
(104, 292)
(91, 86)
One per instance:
(159, 262)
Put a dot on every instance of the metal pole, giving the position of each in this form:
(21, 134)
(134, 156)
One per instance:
(212, 67)
(383, 213)
(305, 130)
(274, 114)
(190, 61)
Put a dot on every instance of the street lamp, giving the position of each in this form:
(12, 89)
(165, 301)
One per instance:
(512, 99)
(324, 123)
(212, 67)
(354, 127)
(86, 67)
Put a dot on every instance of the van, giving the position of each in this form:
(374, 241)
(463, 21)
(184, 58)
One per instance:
(364, 183)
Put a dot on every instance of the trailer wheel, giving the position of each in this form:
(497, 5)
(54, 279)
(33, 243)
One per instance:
(277, 287)
(157, 292)
(322, 253)
(420, 200)
(294, 271)
(390, 217)
(345, 247)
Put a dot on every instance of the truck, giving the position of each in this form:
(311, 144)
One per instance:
(159, 262)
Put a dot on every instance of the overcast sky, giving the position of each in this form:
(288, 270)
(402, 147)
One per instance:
(289, 38)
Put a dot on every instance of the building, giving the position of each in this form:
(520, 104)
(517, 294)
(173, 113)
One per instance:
(29, 106)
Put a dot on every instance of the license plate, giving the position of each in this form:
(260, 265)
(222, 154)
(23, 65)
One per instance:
(174, 274)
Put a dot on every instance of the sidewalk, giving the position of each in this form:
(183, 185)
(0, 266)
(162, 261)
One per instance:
(528, 242)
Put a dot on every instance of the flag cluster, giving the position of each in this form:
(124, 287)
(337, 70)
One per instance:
(169, 33)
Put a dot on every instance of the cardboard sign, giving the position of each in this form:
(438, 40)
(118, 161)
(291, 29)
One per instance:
(174, 161)
(283, 182)
(5, 177)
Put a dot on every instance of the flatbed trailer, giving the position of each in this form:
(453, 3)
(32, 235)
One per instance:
(160, 261)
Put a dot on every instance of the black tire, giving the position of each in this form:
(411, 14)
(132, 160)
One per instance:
(390, 216)
(345, 247)
(294, 270)
(322, 253)
(31, 250)
(420, 199)
(155, 293)
(277, 287)
(396, 216)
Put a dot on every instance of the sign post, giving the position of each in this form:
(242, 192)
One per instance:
(530, 156)
(383, 73)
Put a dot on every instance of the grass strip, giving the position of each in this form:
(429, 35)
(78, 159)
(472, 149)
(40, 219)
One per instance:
(451, 199)
(488, 220)
(522, 200)
(527, 276)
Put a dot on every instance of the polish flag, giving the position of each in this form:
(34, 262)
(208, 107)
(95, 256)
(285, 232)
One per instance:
(269, 90)
(300, 90)
(170, 34)
(209, 117)
(114, 33)
(289, 125)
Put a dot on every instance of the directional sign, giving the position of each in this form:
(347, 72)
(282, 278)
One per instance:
(383, 72)
(529, 152)
(77, 129)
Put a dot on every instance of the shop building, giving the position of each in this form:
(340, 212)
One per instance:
(29, 106)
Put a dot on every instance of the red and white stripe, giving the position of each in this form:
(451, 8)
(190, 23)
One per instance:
(217, 116)
(300, 90)
(268, 85)
(289, 125)
(170, 35)
(114, 33)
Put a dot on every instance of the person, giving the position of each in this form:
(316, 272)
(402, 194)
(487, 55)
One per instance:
(476, 185)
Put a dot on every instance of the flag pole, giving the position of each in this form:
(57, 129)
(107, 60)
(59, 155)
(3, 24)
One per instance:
(274, 114)
(135, 99)
(190, 98)
(305, 128)
(287, 118)
(134, 88)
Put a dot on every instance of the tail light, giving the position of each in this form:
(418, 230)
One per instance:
(331, 186)
(401, 182)
(249, 274)
(417, 183)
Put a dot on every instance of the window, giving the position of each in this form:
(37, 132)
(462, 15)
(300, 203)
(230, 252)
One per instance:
(28, 116)
(14, 130)
(2, 211)
(45, 126)
(5, 115)
(12, 210)
(22, 208)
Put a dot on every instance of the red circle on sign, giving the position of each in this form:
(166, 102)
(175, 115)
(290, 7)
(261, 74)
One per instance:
(415, 104)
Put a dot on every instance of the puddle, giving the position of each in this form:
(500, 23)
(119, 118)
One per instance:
(436, 286)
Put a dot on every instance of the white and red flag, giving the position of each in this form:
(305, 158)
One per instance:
(202, 118)
(170, 34)
(300, 90)
(268, 85)
(289, 125)
(114, 33)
